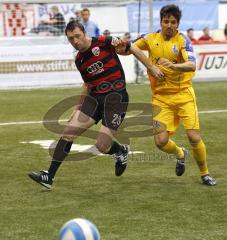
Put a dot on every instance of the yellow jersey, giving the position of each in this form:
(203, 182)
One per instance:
(178, 50)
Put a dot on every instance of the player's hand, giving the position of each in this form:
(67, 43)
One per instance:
(119, 45)
(118, 42)
(165, 63)
(156, 73)
(72, 114)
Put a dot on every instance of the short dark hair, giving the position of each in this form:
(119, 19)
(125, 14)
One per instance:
(85, 10)
(190, 29)
(72, 25)
(171, 10)
(106, 32)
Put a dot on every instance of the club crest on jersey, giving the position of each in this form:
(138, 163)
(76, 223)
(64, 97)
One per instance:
(175, 50)
(95, 51)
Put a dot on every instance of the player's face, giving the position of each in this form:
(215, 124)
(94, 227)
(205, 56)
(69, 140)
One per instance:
(190, 34)
(169, 26)
(78, 39)
(85, 15)
(206, 32)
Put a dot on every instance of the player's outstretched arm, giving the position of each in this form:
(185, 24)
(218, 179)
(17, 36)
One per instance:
(154, 70)
(124, 47)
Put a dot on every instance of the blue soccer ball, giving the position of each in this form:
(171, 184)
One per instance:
(79, 229)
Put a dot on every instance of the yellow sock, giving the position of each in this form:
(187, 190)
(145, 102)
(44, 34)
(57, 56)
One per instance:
(199, 154)
(172, 148)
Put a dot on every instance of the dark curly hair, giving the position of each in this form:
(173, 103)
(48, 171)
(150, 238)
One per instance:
(171, 10)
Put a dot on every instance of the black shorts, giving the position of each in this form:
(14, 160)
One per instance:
(110, 107)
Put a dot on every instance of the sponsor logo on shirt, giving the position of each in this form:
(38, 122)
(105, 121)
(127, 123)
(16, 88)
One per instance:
(95, 68)
(175, 50)
(95, 51)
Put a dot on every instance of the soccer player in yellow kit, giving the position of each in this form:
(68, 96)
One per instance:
(172, 91)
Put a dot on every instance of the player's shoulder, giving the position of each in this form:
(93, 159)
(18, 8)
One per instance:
(182, 38)
(147, 36)
(100, 38)
(185, 42)
(103, 39)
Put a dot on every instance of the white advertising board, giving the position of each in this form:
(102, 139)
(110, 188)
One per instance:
(25, 66)
(51, 63)
(211, 62)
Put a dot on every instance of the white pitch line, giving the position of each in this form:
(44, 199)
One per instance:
(214, 111)
(29, 122)
(47, 144)
(65, 120)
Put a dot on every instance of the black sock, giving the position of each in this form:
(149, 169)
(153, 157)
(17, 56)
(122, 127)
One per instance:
(115, 148)
(61, 151)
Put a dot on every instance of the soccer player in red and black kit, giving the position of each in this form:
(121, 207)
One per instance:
(104, 97)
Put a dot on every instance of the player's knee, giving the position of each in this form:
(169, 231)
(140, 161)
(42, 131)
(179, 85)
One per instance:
(160, 145)
(193, 136)
(160, 141)
(102, 146)
(71, 132)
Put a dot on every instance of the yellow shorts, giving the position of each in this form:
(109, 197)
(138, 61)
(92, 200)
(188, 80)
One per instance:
(176, 107)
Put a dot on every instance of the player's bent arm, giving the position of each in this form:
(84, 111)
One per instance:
(188, 66)
(184, 67)
(84, 92)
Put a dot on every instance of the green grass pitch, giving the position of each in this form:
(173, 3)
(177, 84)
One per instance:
(147, 203)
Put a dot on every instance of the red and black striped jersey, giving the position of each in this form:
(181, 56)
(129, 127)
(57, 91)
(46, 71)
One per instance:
(100, 66)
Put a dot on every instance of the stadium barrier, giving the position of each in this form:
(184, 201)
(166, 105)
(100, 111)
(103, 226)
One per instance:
(211, 58)
(44, 61)
(41, 61)
(48, 61)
